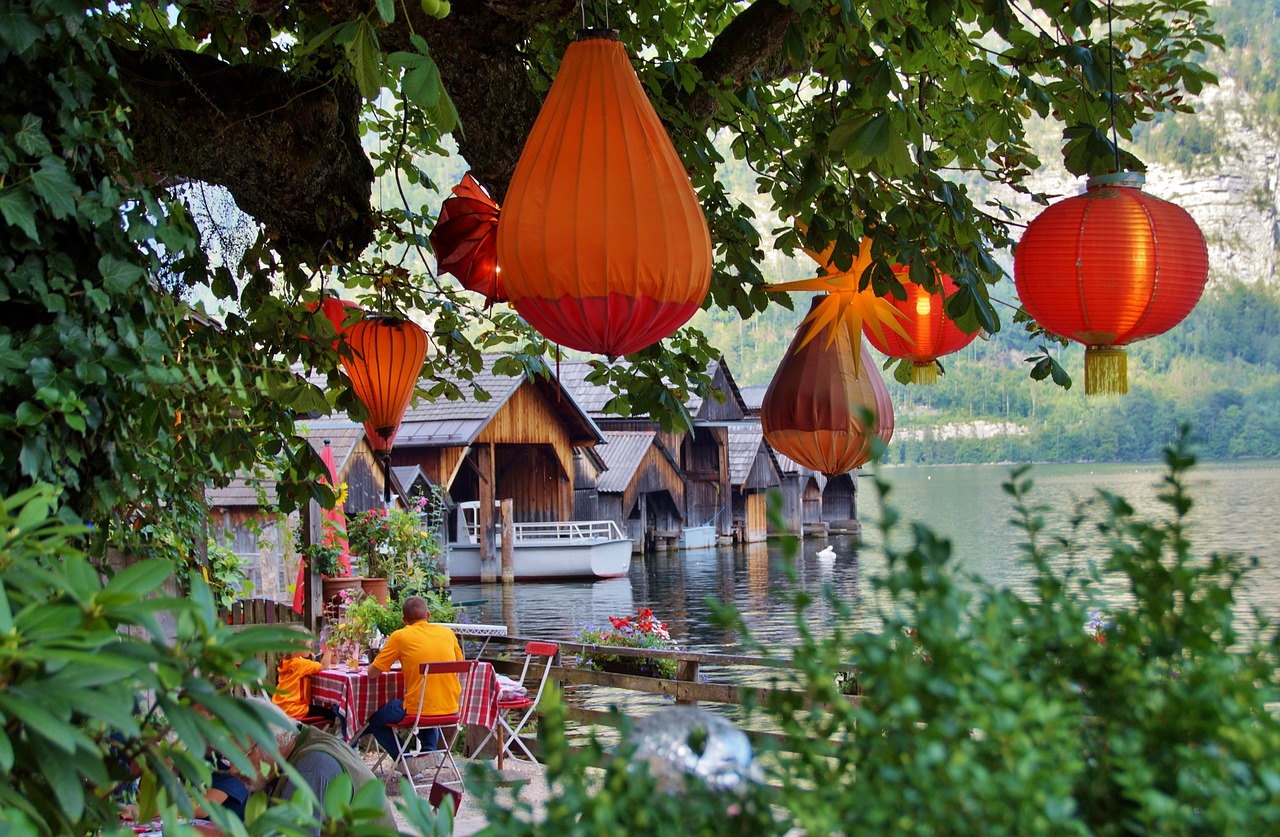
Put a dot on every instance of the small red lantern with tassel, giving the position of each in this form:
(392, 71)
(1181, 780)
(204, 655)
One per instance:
(602, 244)
(465, 240)
(1110, 267)
(386, 359)
(813, 410)
(930, 333)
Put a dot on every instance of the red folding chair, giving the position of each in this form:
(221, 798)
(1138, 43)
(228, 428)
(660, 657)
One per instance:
(407, 730)
(522, 707)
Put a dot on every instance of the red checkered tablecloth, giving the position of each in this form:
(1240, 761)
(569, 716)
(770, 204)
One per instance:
(356, 695)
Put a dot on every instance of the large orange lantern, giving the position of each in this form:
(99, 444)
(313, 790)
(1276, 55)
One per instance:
(602, 244)
(465, 240)
(386, 359)
(1110, 267)
(930, 333)
(813, 411)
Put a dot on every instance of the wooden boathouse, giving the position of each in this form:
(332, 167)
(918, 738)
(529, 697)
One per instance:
(518, 443)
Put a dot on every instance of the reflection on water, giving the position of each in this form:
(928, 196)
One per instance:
(1236, 510)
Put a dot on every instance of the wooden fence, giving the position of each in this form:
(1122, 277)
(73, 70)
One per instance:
(737, 679)
(259, 612)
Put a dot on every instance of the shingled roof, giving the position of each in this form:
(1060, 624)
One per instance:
(446, 423)
(593, 397)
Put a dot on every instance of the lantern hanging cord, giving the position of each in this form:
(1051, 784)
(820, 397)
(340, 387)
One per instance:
(1111, 88)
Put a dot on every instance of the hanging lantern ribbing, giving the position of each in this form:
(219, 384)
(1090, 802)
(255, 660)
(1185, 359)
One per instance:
(387, 354)
(465, 240)
(813, 410)
(1110, 267)
(930, 333)
(602, 243)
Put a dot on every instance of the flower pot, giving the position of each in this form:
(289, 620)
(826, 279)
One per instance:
(376, 587)
(631, 665)
(330, 587)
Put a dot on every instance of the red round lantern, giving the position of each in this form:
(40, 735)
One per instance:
(465, 240)
(603, 245)
(335, 311)
(386, 359)
(930, 333)
(814, 410)
(1110, 267)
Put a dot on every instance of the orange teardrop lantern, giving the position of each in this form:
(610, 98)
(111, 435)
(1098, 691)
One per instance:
(465, 240)
(335, 311)
(602, 244)
(1110, 267)
(930, 333)
(812, 411)
(386, 359)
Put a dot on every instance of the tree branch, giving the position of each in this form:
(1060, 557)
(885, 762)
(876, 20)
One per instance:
(750, 43)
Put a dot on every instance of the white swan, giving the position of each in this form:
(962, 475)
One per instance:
(827, 553)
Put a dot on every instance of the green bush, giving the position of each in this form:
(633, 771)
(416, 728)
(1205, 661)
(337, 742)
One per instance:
(101, 673)
(984, 711)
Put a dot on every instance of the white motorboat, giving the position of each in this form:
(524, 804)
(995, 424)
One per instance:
(542, 551)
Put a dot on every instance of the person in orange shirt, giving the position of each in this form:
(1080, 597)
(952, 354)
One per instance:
(291, 688)
(416, 643)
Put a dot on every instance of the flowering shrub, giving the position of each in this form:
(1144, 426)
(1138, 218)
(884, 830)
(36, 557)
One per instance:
(392, 544)
(1097, 626)
(639, 631)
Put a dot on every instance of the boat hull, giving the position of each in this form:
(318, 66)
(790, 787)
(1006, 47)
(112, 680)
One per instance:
(604, 558)
(698, 537)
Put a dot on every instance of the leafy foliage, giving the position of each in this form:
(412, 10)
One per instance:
(982, 711)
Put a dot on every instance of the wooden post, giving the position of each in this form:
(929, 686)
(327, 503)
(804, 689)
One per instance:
(687, 672)
(312, 592)
(484, 514)
(508, 542)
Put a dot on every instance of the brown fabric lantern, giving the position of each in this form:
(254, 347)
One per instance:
(602, 244)
(1110, 267)
(813, 409)
(387, 354)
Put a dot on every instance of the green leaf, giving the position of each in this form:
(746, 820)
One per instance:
(140, 578)
(30, 137)
(366, 58)
(56, 187)
(421, 85)
(18, 30)
(1082, 13)
(118, 276)
(19, 211)
(386, 10)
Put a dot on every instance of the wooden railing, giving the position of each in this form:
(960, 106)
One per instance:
(739, 676)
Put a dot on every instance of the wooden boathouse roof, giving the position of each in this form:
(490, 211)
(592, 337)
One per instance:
(453, 423)
(752, 464)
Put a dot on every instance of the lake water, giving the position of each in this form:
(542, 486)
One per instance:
(1237, 509)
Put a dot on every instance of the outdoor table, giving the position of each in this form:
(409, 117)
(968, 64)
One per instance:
(470, 629)
(356, 695)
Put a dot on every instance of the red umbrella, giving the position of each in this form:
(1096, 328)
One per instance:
(465, 240)
(334, 529)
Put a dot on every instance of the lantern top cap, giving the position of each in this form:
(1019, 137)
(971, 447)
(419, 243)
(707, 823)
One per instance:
(596, 34)
(1132, 179)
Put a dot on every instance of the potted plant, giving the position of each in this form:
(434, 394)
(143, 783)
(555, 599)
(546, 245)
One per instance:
(392, 544)
(639, 631)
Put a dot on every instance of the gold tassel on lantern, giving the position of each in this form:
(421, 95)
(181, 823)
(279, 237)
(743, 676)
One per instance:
(1106, 371)
(925, 374)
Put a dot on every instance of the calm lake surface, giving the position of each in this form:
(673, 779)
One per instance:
(1237, 510)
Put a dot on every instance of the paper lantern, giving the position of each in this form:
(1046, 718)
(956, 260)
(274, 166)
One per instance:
(812, 411)
(387, 354)
(465, 240)
(1109, 267)
(602, 243)
(335, 311)
(930, 333)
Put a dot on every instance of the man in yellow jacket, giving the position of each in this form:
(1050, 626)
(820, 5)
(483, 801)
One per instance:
(416, 643)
